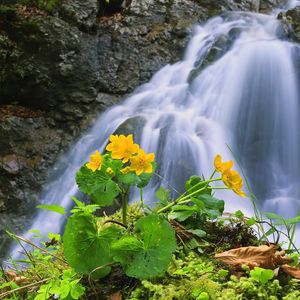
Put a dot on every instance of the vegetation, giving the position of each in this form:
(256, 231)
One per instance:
(172, 251)
(47, 5)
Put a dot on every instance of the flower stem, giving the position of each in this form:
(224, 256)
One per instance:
(218, 188)
(141, 198)
(197, 185)
(182, 198)
(124, 205)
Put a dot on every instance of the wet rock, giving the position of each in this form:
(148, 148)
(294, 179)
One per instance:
(29, 146)
(12, 164)
(292, 17)
(107, 100)
(266, 6)
(81, 13)
(132, 126)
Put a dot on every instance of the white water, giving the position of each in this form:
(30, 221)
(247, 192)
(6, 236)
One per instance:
(247, 99)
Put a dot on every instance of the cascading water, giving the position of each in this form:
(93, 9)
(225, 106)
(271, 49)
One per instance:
(235, 86)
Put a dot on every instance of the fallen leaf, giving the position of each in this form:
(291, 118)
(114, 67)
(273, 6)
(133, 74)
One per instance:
(18, 279)
(294, 272)
(11, 275)
(115, 296)
(264, 256)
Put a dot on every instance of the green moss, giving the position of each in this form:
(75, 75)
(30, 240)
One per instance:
(195, 277)
(7, 13)
(9, 57)
(213, 12)
(47, 5)
(295, 295)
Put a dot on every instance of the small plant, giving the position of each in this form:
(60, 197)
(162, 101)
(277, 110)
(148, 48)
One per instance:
(262, 275)
(138, 251)
(166, 248)
(67, 286)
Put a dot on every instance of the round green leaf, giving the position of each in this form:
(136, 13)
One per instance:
(85, 248)
(102, 189)
(129, 179)
(149, 252)
(262, 275)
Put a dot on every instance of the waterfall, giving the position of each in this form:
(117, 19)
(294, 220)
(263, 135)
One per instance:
(236, 86)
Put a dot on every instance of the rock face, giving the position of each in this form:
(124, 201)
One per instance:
(28, 147)
(292, 17)
(72, 64)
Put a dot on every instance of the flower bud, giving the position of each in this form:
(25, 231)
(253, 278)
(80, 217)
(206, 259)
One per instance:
(109, 171)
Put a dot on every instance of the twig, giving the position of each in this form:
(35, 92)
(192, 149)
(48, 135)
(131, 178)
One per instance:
(169, 184)
(23, 287)
(90, 278)
(115, 222)
(38, 247)
(99, 268)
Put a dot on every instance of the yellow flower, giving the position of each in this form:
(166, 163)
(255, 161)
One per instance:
(125, 170)
(222, 166)
(233, 180)
(142, 162)
(109, 171)
(96, 161)
(122, 147)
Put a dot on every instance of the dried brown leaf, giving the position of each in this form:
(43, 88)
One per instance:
(254, 256)
(294, 272)
(115, 296)
(18, 279)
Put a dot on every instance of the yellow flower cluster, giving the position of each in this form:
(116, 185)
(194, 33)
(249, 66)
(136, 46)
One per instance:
(231, 178)
(95, 161)
(122, 147)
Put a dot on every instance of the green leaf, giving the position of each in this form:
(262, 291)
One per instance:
(43, 292)
(197, 232)
(194, 183)
(115, 164)
(295, 220)
(55, 208)
(129, 244)
(77, 290)
(184, 208)
(90, 208)
(162, 195)
(295, 258)
(223, 273)
(149, 252)
(274, 216)
(203, 296)
(129, 179)
(180, 215)
(270, 231)
(239, 214)
(192, 244)
(251, 221)
(85, 248)
(78, 202)
(64, 289)
(102, 189)
(68, 274)
(213, 206)
(54, 236)
(262, 275)
(199, 203)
